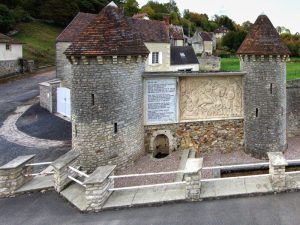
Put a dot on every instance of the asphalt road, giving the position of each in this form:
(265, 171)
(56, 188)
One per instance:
(15, 93)
(50, 209)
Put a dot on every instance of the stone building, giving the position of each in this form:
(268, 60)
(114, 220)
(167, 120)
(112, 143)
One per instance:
(263, 56)
(107, 91)
(11, 51)
(220, 33)
(204, 42)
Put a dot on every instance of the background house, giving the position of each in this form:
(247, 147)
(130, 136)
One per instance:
(183, 58)
(10, 52)
(204, 42)
(221, 32)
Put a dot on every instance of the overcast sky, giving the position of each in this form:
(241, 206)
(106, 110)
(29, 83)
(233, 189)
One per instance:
(281, 12)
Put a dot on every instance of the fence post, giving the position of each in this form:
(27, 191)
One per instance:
(192, 178)
(97, 187)
(62, 171)
(12, 174)
(277, 164)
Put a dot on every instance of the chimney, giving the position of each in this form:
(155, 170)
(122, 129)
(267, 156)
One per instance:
(167, 20)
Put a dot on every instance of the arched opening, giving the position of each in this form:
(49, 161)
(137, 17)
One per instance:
(161, 146)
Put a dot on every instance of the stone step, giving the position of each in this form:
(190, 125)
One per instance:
(38, 183)
(75, 194)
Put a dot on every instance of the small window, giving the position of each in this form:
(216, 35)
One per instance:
(93, 99)
(75, 130)
(8, 47)
(271, 88)
(115, 128)
(155, 57)
(256, 113)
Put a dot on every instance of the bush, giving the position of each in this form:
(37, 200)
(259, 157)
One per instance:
(7, 20)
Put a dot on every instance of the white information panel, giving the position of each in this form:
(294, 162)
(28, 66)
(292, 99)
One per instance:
(161, 102)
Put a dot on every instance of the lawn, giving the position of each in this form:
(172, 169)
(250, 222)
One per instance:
(233, 64)
(39, 39)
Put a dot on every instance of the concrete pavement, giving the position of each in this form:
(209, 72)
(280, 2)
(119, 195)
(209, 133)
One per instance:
(50, 209)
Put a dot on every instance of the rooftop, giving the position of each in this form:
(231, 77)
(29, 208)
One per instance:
(263, 39)
(176, 32)
(80, 21)
(109, 33)
(8, 40)
(182, 55)
(205, 36)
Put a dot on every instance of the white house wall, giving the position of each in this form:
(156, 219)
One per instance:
(165, 52)
(194, 67)
(15, 52)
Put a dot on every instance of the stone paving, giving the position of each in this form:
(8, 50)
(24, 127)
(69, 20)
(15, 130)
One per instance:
(10, 132)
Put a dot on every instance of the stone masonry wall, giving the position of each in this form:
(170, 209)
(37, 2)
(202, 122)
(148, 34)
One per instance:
(209, 63)
(9, 68)
(264, 105)
(63, 66)
(203, 136)
(48, 95)
(107, 111)
(293, 107)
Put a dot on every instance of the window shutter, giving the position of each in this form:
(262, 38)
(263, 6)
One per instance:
(160, 57)
(150, 58)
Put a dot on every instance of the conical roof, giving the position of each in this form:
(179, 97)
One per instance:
(263, 39)
(109, 33)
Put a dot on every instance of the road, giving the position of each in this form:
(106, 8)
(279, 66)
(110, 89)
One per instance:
(15, 93)
(50, 209)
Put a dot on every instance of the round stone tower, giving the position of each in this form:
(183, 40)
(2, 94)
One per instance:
(263, 56)
(107, 91)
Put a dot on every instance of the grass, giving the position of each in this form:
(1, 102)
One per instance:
(39, 39)
(292, 68)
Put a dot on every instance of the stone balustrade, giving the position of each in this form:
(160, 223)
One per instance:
(97, 187)
(192, 178)
(62, 171)
(13, 175)
(277, 164)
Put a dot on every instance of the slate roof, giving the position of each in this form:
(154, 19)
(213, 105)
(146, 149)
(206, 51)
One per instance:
(109, 33)
(151, 30)
(176, 32)
(205, 36)
(8, 40)
(80, 21)
(263, 39)
(182, 55)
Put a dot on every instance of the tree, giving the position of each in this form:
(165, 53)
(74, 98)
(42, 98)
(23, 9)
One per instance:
(131, 7)
(7, 20)
(247, 25)
(225, 21)
(234, 39)
(147, 9)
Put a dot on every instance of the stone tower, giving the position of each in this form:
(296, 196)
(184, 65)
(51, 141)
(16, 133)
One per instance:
(263, 56)
(107, 91)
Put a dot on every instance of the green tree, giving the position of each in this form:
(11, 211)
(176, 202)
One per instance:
(7, 20)
(233, 40)
(225, 21)
(147, 9)
(131, 7)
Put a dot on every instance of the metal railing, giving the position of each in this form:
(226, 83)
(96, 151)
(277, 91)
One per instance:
(40, 173)
(149, 185)
(80, 174)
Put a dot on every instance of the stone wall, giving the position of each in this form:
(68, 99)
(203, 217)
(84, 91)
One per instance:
(10, 67)
(107, 111)
(264, 104)
(63, 66)
(48, 95)
(293, 107)
(209, 63)
(204, 136)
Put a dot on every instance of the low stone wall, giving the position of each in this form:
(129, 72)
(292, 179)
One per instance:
(204, 136)
(293, 107)
(209, 63)
(12, 175)
(62, 171)
(9, 67)
(48, 96)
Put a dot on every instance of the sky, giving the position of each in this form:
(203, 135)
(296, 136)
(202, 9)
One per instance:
(281, 12)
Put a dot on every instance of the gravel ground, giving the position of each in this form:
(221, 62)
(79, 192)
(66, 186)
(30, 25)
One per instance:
(38, 122)
(148, 164)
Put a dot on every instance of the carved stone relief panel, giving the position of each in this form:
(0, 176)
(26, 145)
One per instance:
(210, 98)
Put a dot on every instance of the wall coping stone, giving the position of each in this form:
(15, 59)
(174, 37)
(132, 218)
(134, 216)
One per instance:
(48, 83)
(192, 74)
(277, 159)
(65, 159)
(193, 165)
(100, 174)
(17, 162)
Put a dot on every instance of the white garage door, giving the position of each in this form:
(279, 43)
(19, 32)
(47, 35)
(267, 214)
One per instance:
(64, 101)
